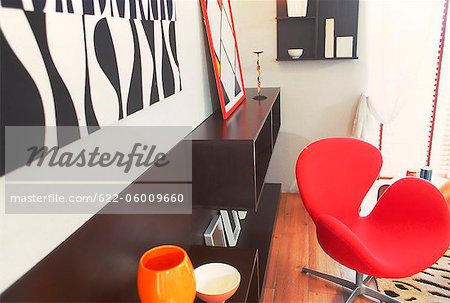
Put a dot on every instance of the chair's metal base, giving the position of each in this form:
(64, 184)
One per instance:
(358, 288)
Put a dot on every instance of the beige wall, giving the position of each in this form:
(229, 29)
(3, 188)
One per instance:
(318, 97)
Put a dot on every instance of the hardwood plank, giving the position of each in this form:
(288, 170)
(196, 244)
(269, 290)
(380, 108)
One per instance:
(325, 297)
(296, 217)
(267, 296)
(273, 255)
(319, 260)
(280, 221)
(290, 283)
(294, 246)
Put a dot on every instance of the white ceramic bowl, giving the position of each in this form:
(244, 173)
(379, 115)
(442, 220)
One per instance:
(216, 282)
(295, 53)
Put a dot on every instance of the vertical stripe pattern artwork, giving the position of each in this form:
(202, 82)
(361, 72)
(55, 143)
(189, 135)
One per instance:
(145, 10)
(84, 62)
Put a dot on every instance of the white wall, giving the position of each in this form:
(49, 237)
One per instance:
(318, 97)
(318, 100)
(26, 239)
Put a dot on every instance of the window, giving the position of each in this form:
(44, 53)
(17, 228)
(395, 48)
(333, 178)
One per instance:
(401, 75)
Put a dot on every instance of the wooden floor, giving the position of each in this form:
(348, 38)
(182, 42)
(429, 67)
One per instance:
(295, 245)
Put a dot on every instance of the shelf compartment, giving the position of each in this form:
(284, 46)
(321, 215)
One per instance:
(296, 35)
(257, 228)
(282, 9)
(301, 32)
(245, 260)
(345, 14)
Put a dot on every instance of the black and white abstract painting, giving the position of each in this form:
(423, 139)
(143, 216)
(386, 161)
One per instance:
(86, 63)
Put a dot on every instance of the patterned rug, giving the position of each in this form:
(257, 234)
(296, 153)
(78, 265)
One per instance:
(429, 286)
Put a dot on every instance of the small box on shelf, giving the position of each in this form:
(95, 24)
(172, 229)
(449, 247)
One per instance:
(344, 47)
(329, 38)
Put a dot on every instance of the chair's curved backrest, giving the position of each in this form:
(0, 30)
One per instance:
(334, 175)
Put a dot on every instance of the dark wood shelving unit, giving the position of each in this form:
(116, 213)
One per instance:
(309, 32)
(99, 261)
(230, 157)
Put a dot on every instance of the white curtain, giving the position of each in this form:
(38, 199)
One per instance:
(402, 47)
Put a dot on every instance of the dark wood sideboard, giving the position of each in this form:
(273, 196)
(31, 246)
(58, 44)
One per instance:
(98, 262)
(231, 157)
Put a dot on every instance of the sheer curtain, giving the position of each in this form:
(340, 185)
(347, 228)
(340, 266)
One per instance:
(402, 45)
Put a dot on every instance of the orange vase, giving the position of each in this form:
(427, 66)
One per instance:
(165, 274)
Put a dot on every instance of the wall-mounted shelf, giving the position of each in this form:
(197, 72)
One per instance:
(306, 59)
(309, 32)
(296, 18)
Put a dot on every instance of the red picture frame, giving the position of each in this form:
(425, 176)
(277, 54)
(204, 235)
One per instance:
(219, 24)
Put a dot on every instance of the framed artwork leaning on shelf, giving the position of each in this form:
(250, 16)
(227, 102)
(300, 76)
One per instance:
(224, 52)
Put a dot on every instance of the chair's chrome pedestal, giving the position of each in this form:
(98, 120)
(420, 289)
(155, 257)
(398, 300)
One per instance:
(358, 287)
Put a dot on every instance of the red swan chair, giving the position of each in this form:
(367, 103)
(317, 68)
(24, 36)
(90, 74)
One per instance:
(407, 231)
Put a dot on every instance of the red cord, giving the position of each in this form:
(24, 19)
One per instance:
(437, 81)
(380, 140)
